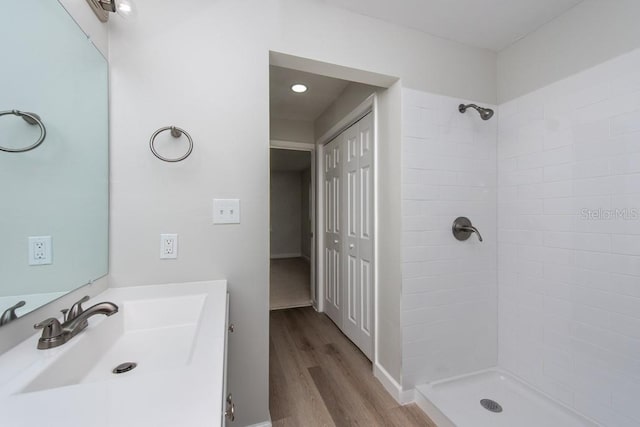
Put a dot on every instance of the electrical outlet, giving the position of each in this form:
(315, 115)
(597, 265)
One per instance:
(168, 246)
(226, 211)
(40, 250)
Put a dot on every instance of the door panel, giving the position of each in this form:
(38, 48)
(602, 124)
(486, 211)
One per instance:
(349, 233)
(333, 275)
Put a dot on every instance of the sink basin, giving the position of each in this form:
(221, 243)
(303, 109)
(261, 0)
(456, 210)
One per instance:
(174, 333)
(156, 334)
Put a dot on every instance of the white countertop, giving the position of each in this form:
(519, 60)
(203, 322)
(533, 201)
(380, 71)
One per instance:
(185, 394)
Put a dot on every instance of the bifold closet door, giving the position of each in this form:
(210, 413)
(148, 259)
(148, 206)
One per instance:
(332, 229)
(349, 252)
(358, 234)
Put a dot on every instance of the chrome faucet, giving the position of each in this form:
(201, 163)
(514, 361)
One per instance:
(55, 334)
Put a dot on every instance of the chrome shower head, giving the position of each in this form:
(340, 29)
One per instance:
(485, 113)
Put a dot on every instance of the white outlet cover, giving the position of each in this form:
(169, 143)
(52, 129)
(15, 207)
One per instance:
(226, 211)
(40, 250)
(168, 246)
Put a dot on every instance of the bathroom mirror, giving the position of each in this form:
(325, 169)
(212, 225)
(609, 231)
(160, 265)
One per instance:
(53, 198)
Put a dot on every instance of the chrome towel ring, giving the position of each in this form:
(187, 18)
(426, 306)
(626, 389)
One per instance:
(176, 132)
(32, 119)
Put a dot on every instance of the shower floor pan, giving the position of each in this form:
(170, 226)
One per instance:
(456, 402)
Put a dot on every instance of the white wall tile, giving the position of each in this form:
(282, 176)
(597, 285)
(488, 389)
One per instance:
(586, 268)
(449, 306)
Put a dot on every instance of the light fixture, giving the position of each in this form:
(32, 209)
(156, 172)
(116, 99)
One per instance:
(102, 8)
(299, 88)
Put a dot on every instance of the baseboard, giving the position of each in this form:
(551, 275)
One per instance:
(391, 385)
(281, 256)
(306, 257)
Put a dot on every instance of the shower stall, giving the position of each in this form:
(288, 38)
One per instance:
(538, 324)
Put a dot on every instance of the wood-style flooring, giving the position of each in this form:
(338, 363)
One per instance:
(317, 377)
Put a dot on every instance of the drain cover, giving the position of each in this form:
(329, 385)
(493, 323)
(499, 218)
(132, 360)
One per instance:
(124, 367)
(491, 405)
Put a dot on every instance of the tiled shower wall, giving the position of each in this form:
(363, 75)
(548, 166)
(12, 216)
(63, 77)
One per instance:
(449, 313)
(569, 240)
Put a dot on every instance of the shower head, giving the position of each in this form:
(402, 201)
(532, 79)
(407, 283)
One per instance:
(485, 113)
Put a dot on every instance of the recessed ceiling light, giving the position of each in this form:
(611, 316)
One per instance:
(299, 88)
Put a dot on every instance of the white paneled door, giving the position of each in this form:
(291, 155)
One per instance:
(332, 230)
(348, 261)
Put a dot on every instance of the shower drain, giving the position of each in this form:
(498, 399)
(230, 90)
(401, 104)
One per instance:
(491, 405)
(124, 367)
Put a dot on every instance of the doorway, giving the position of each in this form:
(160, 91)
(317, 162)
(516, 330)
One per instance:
(291, 227)
(336, 119)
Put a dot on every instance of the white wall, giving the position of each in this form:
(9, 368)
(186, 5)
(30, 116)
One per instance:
(202, 66)
(586, 35)
(353, 95)
(286, 214)
(305, 213)
(217, 89)
(310, 28)
(449, 288)
(389, 225)
(291, 130)
(569, 284)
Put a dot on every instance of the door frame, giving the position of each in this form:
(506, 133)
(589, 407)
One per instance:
(369, 105)
(311, 148)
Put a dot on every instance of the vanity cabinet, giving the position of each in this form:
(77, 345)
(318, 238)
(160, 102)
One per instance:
(228, 407)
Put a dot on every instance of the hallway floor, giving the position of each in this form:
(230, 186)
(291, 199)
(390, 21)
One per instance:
(317, 377)
(289, 283)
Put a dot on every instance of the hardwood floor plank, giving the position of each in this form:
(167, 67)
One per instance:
(373, 401)
(277, 387)
(320, 378)
(338, 410)
(297, 382)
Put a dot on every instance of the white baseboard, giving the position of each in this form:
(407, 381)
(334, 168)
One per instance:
(391, 385)
(281, 256)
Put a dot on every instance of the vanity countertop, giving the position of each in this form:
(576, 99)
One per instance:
(178, 381)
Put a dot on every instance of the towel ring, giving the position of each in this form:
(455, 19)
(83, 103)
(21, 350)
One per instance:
(32, 119)
(176, 132)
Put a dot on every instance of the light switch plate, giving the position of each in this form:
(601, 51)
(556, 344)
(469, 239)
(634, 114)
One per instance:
(226, 211)
(40, 250)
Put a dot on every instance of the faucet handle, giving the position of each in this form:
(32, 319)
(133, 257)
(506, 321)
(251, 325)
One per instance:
(51, 327)
(10, 313)
(76, 309)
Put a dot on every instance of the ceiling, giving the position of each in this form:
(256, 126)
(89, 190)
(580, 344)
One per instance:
(289, 160)
(286, 104)
(489, 24)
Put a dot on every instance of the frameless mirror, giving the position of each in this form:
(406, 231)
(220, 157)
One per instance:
(54, 197)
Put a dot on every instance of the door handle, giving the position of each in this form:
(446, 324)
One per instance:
(351, 246)
(335, 241)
